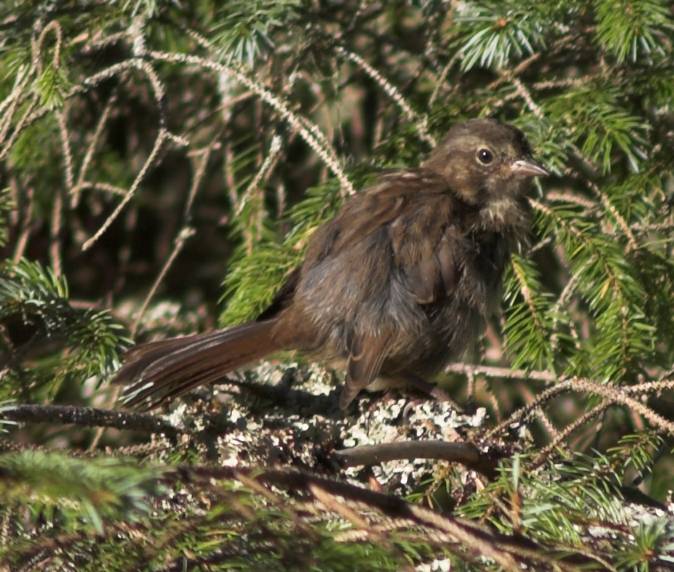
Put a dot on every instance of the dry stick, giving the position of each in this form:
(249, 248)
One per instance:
(420, 120)
(443, 76)
(99, 186)
(199, 173)
(327, 154)
(22, 123)
(55, 233)
(88, 417)
(8, 518)
(526, 293)
(610, 393)
(465, 453)
(57, 208)
(523, 412)
(650, 386)
(617, 396)
(550, 377)
(12, 101)
(67, 152)
(162, 136)
(540, 413)
(24, 233)
(91, 149)
(570, 428)
(37, 47)
(519, 69)
(567, 292)
(264, 170)
(179, 243)
(524, 93)
(501, 372)
(321, 142)
(185, 233)
(84, 86)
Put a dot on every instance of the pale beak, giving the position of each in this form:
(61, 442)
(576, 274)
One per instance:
(528, 168)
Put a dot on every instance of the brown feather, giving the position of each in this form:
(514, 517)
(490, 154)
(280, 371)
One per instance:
(167, 370)
(363, 367)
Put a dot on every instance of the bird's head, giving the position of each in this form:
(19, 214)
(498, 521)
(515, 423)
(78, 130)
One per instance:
(485, 161)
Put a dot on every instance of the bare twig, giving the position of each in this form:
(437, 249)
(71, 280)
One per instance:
(524, 93)
(326, 153)
(570, 197)
(465, 453)
(91, 149)
(611, 393)
(261, 174)
(88, 417)
(55, 227)
(25, 224)
(421, 121)
(501, 372)
(67, 153)
(178, 245)
(162, 136)
(100, 186)
(570, 428)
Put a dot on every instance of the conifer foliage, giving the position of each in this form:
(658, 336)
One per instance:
(162, 166)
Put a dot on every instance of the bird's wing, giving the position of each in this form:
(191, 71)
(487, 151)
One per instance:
(427, 247)
(365, 360)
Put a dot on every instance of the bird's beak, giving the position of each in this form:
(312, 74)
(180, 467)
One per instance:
(528, 168)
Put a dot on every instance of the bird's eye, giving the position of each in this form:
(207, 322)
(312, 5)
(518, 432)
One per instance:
(485, 156)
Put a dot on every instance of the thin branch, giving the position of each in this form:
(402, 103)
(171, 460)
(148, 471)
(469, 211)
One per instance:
(162, 136)
(100, 186)
(23, 122)
(524, 93)
(421, 121)
(88, 417)
(611, 393)
(571, 197)
(327, 154)
(501, 372)
(616, 395)
(67, 152)
(328, 500)
(570, 428)
(264, 170)
(178, 245)
(91, 149)
(55, 227)
(25, 224)
(443, 77)
(465, 453)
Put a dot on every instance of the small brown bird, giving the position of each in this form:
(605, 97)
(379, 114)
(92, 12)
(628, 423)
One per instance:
(397, 284)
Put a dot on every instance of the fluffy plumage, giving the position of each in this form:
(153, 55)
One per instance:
(393, 287)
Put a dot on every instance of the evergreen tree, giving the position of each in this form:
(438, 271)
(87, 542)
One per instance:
(162, 165)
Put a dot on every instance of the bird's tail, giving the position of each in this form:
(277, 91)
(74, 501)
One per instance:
(157, 372)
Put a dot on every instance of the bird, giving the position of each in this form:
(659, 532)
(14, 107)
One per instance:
(396, 285)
